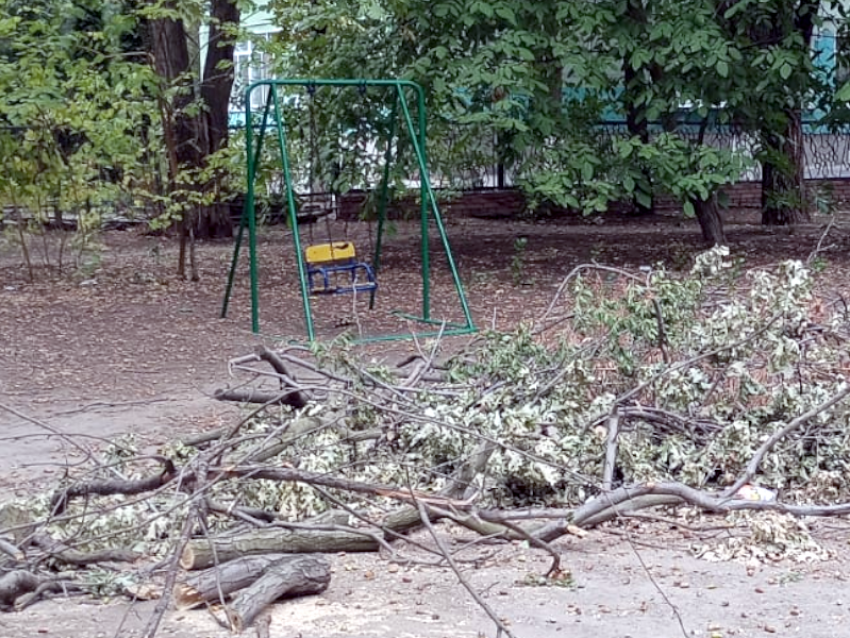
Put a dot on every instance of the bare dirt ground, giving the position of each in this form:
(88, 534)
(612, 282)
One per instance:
(126, 348)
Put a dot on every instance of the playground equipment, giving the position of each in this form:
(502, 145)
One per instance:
(320, 265)
(327, 260)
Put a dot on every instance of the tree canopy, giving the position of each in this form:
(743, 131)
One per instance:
(540, 77)
(581, 103)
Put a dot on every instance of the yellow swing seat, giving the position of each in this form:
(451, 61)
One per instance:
(324, 261)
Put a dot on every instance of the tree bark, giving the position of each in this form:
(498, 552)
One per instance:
(202, 553)
(710, 221)
(210, 585)
(783, 195)
(289, 576)
(783, 198)
(214, 220)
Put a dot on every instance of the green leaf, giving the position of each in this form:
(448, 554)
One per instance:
(506, 13)
(786, 70)
(843, 94)
(643, 198)
(688, 208)
(722, 68)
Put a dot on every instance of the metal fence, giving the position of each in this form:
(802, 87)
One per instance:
(826, 154)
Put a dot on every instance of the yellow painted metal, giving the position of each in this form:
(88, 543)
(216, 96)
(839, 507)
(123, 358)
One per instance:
(329, 253)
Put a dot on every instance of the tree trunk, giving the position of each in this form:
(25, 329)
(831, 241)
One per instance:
(192, 138)
(214, 220)
(636, 122)
(783, 196)
(170, 52)
(710, 220)
(171, 63)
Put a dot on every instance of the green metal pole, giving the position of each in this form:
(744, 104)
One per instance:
(385, 183)
(423, 171)
(424, 190)
(416, 138)
(252, 232)
(293, 215)
(231, 275)
(252, 159)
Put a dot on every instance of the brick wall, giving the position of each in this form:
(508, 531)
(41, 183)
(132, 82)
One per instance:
(511, 202)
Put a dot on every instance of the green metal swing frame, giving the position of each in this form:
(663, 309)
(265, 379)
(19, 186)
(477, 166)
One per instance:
(429, 206)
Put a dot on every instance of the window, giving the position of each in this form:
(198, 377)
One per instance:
(842, 58)
(250, 64)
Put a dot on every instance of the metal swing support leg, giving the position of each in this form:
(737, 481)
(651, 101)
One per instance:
(248, 217)
(429, 199)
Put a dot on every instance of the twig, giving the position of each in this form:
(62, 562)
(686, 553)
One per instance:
(555, 567)
(578, 269)
(162, 605)
(68, 439)
(819, 247)
(500, 625)
(655, 584)
(755, 461)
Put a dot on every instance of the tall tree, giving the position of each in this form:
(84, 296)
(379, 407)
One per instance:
(194, 105)
(775, 37)
(541, 75)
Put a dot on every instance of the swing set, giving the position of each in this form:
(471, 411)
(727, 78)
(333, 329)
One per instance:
(335, 267)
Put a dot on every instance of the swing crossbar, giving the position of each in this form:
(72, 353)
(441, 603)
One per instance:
(324, 261)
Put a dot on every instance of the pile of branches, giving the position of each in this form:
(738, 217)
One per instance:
(636, 390)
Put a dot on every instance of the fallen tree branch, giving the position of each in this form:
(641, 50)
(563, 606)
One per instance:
(21, 582)
(500, 625)
(63, 585)
(758, 457)
(256, 396)
(59, 500)
(171, 575)
(288, 576)
(608, 506)
(62, 552)
(299, 400)
(242, 512)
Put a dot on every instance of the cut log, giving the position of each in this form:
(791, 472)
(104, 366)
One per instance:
(211, 584)
(289, 576)
(286, 397)
(203, 553)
